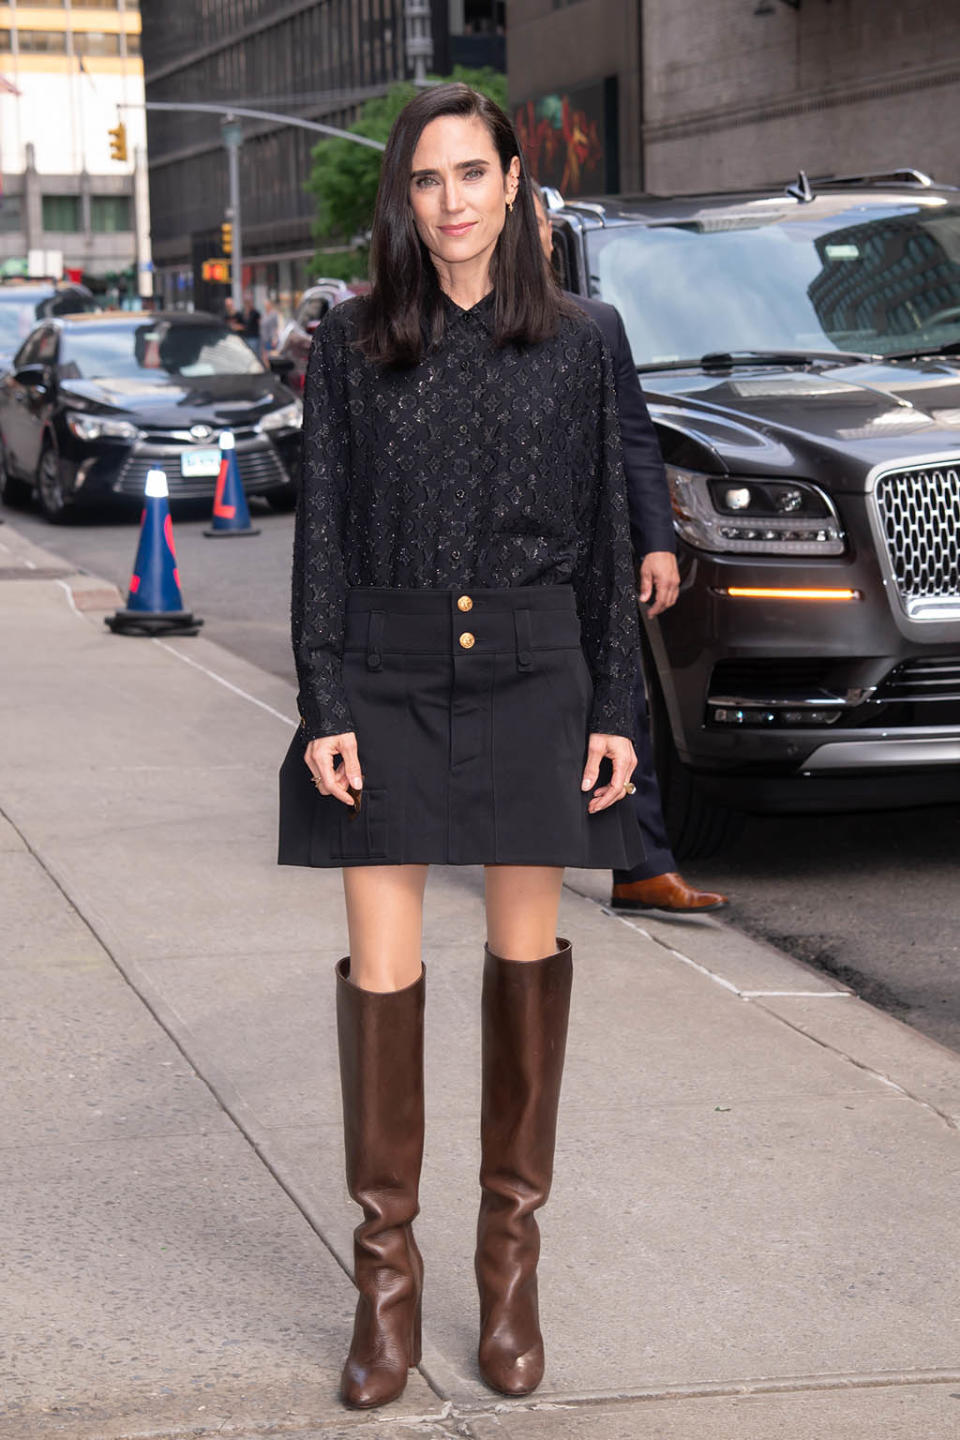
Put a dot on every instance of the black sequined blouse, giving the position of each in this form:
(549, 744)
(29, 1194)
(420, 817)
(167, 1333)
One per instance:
(481, 468)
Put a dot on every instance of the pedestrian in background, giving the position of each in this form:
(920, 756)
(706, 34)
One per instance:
(655, 883)
(232, 317)
(269, 329)
(251, 325)
(465, 630)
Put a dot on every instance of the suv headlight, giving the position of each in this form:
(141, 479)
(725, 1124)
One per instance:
(94, 427)
(759, 517)
(288, 417)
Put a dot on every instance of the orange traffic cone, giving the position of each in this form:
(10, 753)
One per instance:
(230, 513)
(154, 604)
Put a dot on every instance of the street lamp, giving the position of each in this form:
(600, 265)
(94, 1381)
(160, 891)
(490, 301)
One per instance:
(232, 132)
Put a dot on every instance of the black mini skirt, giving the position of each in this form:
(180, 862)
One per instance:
(471, 713)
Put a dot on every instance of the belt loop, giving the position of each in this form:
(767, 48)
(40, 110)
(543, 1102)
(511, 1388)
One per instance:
(375, 639)
(521, 625)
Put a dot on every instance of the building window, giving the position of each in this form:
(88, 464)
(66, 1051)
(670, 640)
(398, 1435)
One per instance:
(36, 42)
(95, 42)
(133, 44)
(110, 213)
(61, 213)
(9, 214)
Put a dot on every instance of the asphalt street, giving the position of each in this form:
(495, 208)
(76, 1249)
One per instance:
(870, 899)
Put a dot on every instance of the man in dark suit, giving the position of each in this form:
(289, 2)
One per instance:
(655, 885)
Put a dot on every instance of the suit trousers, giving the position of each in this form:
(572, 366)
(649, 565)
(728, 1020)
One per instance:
(646, 803)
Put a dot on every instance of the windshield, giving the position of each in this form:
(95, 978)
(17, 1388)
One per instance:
(156, 350)
(17, 319)
(875, 278)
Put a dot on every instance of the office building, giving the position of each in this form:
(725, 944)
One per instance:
(687, 96)
(67, 69)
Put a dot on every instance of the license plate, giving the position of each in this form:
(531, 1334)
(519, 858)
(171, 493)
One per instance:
(197, 463)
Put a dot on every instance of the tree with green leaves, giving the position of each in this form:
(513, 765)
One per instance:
(344, 177)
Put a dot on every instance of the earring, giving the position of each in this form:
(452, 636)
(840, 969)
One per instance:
(510, 206)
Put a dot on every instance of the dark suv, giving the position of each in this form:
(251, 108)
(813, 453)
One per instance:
(800, 354)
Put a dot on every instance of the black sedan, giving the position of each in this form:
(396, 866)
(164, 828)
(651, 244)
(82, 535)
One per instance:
(95, 401)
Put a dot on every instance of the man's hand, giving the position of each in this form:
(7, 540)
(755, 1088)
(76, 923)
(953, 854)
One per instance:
(660, 579)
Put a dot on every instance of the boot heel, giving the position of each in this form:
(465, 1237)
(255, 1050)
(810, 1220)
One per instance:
(416, 1336)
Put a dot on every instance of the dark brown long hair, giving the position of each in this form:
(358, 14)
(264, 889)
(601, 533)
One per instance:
(403, 315)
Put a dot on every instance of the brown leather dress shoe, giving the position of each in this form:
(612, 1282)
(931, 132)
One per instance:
(665, 892)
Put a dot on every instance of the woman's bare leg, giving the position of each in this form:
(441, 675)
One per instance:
(385, 921)
(522, 906)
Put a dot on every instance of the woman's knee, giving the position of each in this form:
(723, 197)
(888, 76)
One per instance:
(385, 923)
(522, 907)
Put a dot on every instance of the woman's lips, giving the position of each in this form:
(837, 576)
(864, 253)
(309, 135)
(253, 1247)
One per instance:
(458, 229)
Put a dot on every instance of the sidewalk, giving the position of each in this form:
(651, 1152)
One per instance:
(753, 1231)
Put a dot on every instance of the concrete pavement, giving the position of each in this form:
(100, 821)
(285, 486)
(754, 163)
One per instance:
(753, 1229)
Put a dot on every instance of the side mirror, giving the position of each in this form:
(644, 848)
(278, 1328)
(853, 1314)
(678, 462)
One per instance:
(34, 377)
(281, 364)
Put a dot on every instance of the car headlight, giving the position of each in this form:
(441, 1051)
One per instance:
(759, 517)
(288, 417)
(95, 427)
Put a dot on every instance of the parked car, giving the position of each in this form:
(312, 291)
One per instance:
(800, 354)
(297, 334)
(24, 302)
(95, 401)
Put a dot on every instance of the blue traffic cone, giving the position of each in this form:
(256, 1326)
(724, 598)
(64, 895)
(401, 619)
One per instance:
(154, 604)
(230, 513)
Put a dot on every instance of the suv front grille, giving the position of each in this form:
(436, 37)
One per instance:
(919, 511)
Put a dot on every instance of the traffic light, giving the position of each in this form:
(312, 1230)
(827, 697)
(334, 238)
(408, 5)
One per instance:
(118, 141)
(216, 272)
(226, 237)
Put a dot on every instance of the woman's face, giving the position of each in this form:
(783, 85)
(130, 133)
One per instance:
(458, 191)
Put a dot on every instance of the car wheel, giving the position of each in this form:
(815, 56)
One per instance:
(53, 501)
(13, 492)
(696, 825)
(282, 500)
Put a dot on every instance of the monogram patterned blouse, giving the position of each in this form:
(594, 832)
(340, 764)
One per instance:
(480, 468)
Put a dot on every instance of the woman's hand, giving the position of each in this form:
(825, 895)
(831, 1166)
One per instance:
(623, 757)
(331, 780)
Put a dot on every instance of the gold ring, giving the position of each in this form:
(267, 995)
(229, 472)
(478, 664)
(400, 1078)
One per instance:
(316, 781)
(629, 788)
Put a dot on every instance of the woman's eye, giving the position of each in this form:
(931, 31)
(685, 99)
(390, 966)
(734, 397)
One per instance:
(422, 181)
(475, 174)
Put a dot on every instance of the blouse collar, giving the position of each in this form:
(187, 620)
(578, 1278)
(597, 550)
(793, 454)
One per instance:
(482, 311)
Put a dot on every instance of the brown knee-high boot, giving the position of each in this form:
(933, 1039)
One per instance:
(381, 1076)
(525, 1009)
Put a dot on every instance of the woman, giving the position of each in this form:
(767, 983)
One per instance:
(464, 624)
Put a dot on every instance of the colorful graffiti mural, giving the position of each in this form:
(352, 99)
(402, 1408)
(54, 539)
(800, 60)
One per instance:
(564, 138)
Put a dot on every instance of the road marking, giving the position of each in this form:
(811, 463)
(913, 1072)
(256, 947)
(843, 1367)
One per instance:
(227, 684)
(70, 600)
(797, 994)
(720, 979)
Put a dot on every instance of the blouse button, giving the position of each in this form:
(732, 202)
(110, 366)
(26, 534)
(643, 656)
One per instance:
(467, 640)
(464, 603)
